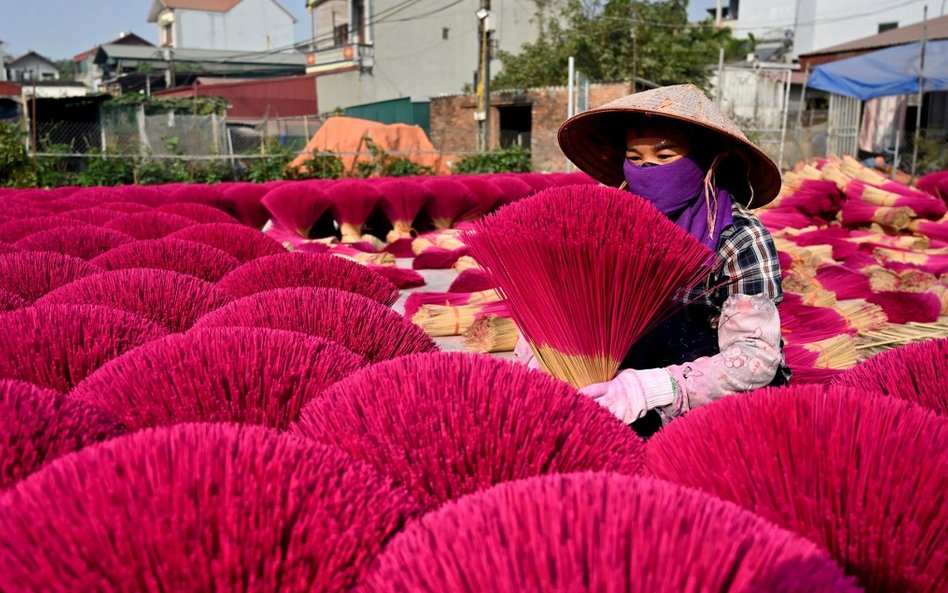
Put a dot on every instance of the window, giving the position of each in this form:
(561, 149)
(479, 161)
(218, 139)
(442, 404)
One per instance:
(883, 27)
(358, 22)
(167, 35)
(340, 35)
(445, 32)
(516, 124)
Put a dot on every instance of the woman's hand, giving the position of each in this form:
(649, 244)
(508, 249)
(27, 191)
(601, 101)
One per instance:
(524, 354)
(632, 393)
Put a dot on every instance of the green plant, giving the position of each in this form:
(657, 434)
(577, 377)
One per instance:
(158, 105)
(932, 152)
(16, 168)
(212, 171)
(383, 164)
(149, 171)
(106, 170)
(320, 165)
(53, 169)
(515, 159)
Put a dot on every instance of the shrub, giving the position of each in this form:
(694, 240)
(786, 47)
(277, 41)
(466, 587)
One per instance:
(515, 159)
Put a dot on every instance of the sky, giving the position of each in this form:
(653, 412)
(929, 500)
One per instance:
(60, 29)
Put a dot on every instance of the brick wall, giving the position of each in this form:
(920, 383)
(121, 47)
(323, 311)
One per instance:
(454, 130)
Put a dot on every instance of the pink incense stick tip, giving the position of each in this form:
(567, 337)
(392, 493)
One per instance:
(450, 201)
(249, 375)
(16, 228)
(176, 255)
(916, 373)
(149, 225)
(168, 298)
(30, 275)
(75, 340)
(296, 207)
(244, 203)
(389, 410)
(41, 425)
(199, 507)
(360, 324)
(868, 491)
(242, 242)
(291, 270)
(601, 530)
(10, 301)
(402, 200)
(199, 213)
(511, 187)
(84, 242)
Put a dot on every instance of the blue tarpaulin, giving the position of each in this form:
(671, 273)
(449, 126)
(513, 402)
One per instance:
(890, 71)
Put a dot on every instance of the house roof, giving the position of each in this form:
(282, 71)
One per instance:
(201, 5)
(33, 54)
(936, 28)
(126, 39)
(126, 58)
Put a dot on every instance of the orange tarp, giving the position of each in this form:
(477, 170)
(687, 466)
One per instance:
(345, 137)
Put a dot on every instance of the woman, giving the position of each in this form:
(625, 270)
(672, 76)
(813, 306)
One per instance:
(672, 146)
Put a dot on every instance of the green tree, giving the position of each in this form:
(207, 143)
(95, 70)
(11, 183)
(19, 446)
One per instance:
(67, 69)
(615, 40)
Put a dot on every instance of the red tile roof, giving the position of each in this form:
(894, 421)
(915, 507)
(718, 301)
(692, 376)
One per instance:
(205, 5)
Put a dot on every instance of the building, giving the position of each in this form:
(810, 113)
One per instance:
(934, 29)
(3, 63)
(810, 25)
(226, 25)
(291, 96)
(31, 66)
(528, 117)
(135, 68)
(11, 100)
(368, 51)
(88, 72)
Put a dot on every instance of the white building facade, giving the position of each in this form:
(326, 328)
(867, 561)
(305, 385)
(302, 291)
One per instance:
(376, 50)
(231, 25)
(820, 23)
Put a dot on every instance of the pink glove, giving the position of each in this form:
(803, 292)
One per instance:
(632, 393)
(524, 354)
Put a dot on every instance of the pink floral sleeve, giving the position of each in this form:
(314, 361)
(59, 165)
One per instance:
(750, 354)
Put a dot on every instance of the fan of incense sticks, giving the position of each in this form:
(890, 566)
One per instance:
(585, 272)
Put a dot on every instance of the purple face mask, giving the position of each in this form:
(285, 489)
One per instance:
(677, 189)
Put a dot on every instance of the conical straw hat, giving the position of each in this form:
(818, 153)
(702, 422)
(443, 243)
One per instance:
(594, 140)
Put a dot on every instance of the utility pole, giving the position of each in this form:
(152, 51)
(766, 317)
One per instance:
(921, 92)
(169, 72)
(482, 113)
(312, 26)
(718, 13)
(33, 117)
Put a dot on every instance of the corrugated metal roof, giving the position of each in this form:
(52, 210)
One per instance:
(156, 54)
(9, 89)
(259, 99)
(937, 28)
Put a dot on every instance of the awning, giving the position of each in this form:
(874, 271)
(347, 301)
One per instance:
(890, 71)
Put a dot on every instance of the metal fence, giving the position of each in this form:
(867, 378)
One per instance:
(131, 132)
(761, 103)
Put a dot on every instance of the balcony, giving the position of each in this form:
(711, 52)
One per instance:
(354, 55)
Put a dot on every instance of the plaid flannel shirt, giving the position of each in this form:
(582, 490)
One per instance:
(749, 263)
